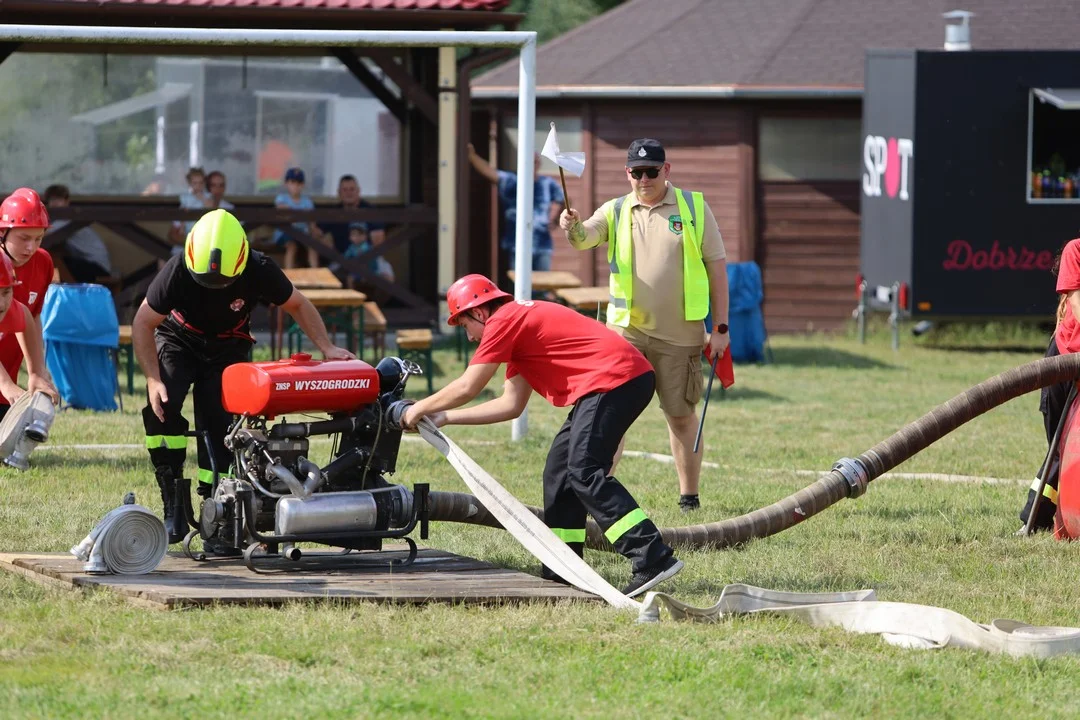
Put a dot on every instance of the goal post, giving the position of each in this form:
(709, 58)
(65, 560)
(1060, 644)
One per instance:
(210, 37)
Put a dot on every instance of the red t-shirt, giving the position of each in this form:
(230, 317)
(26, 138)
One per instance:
(34, 278)
(1068, 331)
(14, 321)
(562, 354)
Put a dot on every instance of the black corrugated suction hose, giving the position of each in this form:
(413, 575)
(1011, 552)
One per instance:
(848, 478)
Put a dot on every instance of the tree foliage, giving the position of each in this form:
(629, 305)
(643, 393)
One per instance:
(42, 92)
(551, 18)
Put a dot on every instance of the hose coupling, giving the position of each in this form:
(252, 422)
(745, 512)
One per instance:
(856, 475)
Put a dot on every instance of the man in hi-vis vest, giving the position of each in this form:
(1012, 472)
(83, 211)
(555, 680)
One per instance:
(666, 260)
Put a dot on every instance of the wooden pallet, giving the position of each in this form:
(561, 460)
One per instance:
(436, 576)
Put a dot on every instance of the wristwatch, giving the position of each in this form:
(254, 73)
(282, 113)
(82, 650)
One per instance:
(721, 328)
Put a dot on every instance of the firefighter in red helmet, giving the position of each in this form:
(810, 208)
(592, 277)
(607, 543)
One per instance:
(574, 362)
(23, 221)
(17, 323)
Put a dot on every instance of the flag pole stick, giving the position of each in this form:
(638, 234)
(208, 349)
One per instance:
(708, 392)
(566, 195)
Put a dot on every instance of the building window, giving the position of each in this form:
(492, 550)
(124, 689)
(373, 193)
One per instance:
(1053, 174)
(794, 148)
(135, 124)
(569, 131)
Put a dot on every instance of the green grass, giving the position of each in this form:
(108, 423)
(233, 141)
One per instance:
(948, 544)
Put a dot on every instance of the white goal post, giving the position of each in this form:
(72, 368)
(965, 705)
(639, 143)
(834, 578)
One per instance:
(524, 41)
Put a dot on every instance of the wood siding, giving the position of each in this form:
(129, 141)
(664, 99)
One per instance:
(709, 148)
(809, 254)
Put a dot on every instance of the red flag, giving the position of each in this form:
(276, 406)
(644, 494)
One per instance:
(725, 371)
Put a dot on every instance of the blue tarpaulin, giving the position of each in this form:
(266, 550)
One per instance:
(746, 323)
(81, 332)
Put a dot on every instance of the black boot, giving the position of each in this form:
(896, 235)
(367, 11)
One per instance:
(182, 509)
(175, 521)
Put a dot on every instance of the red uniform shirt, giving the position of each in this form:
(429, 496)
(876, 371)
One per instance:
(14, 321)
(562, 354)
(34, 278)
(1068, 331)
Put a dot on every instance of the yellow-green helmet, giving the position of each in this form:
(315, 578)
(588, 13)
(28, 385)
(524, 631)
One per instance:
(216, 249)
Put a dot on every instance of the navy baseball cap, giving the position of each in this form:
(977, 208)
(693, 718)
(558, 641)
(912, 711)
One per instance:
(645, 152)
(294, 174)
(358, 226)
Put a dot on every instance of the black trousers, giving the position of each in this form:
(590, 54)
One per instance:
(188, 360)
(1052, 406)
(577, 480)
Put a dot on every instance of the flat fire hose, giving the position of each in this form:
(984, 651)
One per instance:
(902, 624)
(129, 540)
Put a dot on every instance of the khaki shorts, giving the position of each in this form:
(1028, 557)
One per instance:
(679, 380)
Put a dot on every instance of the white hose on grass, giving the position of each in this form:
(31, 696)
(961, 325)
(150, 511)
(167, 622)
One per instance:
(902, 624)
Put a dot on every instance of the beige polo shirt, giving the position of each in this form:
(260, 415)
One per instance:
(657, 305)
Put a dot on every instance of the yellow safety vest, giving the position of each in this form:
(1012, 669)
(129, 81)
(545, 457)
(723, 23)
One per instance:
(620, 258)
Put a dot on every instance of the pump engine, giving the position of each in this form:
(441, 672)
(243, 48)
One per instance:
(275, 496)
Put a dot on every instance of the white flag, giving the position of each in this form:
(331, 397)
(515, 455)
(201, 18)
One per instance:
(571, 162)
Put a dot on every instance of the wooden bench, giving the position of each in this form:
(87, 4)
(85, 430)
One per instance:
(373, 323)
(126, 347)
(415, 344)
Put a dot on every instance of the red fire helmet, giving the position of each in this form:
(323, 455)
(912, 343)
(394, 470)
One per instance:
(469, 292)
(7, 272)
(23, 208)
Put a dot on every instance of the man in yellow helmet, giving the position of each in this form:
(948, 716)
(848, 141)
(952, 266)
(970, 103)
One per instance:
(193, 323)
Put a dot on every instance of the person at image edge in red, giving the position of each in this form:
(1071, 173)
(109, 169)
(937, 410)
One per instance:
(16, 323)
(23, 221)
(1066, 339)
(575, 362)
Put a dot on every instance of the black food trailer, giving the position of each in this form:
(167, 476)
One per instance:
(970, 180)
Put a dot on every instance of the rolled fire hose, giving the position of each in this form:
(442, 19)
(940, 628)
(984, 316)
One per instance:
(907, 625)
(129, 540)
(848, 479)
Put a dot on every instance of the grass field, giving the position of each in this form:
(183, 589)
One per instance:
(947, 544)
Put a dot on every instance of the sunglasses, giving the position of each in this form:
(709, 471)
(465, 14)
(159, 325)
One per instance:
(651, 172)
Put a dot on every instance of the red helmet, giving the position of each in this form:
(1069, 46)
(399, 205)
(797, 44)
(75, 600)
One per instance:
(469, 292)
(23, 208)
(7, 272)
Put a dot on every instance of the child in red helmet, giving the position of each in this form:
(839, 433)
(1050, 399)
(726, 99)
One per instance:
(23, 221)
(17, 324)
(574, 362)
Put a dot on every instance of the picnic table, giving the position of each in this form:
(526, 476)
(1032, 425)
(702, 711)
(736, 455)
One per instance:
(319, 278)
(314, 278)
(343, 308)
(550, 280)
(589, 300)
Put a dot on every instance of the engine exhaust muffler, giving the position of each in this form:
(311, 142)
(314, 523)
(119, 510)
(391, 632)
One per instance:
(344, 512)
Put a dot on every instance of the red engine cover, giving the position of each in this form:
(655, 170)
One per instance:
(298, 384)
(1067, 520)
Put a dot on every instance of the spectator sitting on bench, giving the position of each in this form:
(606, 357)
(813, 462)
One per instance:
(359, 243)
(294, 199)
(215, 184)
(349, 195)
(86, 257)
(197, 197)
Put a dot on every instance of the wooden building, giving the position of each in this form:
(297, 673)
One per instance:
(759, 105)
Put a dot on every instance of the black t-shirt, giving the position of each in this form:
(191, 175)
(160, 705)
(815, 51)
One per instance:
(340, 231)
(218, 311)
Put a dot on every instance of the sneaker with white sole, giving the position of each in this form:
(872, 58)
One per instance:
(650, 577)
